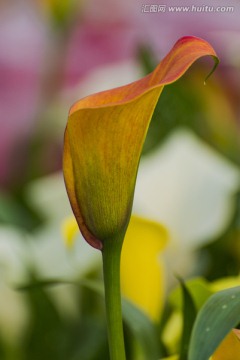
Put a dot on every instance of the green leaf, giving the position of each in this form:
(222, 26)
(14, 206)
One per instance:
(93, 285)
(189, 316)
(138, 323)
(217, 317)
(199, 290)
(142, 329)
(43, 283)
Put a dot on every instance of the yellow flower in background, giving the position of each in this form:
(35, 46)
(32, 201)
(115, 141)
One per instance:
(69, 231)
(142, 271)
(229, 349)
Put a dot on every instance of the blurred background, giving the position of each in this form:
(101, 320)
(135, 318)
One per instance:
(53, 52)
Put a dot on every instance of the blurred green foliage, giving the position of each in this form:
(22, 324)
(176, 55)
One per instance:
(16, 211)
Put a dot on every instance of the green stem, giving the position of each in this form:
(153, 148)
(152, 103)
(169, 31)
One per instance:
(111, 254)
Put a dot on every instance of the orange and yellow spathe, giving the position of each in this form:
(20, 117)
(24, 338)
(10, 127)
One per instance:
(103, 143)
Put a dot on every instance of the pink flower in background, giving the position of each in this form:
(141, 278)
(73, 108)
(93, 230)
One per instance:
(95, 44)
(22, 45)
(161, 28)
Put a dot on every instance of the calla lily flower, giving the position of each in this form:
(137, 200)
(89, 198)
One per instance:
(103, 143)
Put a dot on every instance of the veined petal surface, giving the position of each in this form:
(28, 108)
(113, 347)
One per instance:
(103, 143)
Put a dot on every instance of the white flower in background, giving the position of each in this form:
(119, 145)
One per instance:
(190, 188)
(109, 76)
(45, 252)
(48, 251)
(13, 308)
(11, 255)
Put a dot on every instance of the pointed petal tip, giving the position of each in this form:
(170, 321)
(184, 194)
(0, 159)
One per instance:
(182, 55)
